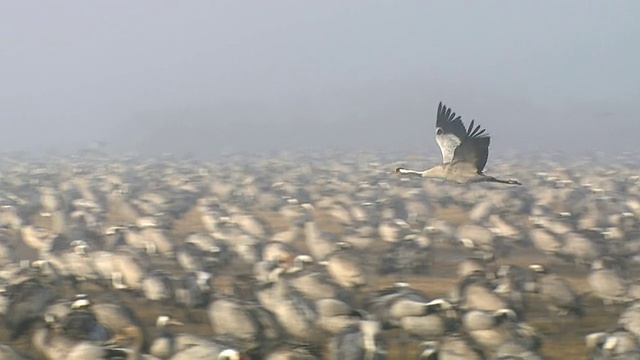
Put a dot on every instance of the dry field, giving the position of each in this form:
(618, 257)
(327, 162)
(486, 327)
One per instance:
(563, 337)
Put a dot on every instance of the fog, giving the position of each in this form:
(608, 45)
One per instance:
(209, 77)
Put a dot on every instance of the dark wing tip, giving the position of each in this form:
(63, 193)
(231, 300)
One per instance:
(450, 123)
(477, 131)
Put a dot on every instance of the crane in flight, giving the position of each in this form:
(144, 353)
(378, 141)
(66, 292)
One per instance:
(464, 152)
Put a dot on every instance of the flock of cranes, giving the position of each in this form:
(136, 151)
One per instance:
(320, 256)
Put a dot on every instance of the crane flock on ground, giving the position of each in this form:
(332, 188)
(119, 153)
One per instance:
(319, 256)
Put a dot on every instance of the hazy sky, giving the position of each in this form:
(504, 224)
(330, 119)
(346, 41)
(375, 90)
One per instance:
(206, 76)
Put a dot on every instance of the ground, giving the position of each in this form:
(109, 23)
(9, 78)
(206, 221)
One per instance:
(563, 338)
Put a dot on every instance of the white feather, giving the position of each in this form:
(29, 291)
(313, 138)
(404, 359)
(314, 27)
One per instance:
(448, 144)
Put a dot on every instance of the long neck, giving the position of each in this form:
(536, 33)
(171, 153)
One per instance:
(436, 172)
(310, 230)
(409, 172)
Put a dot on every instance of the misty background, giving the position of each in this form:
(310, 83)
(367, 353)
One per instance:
(208, 77)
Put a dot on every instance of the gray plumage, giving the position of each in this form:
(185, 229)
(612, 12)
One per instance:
(27, 302)
(345, 266)
(357, 342)
(313, 285)
(228, 316)
(616, 344)
(512, 350)
(630, 319)
(335, 315)
(451, 347)
(475, 292)
(296, 314)
(464, 151)
(557, 293)
(7, 353)
(491, 330)
(607, 284)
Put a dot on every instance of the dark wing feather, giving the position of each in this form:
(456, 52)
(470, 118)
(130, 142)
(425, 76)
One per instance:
(450, 132)
(474, 148)
(449, 122)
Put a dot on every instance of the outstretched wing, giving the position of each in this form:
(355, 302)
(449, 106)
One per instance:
(474, 148)
(450, 132)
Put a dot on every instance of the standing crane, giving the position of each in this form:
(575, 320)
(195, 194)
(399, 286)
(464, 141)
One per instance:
(464, 152)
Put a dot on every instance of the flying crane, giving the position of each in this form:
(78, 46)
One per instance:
(464, 152)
